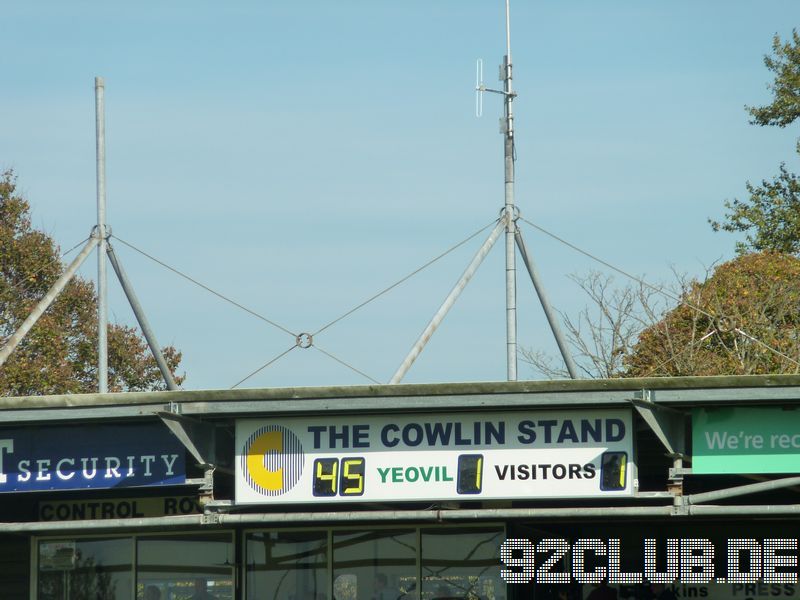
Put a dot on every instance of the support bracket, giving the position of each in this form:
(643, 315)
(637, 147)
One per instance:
(199, 438)
(668, 424)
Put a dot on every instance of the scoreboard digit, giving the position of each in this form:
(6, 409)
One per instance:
(470, 474)
(326, 476)
(352, 483)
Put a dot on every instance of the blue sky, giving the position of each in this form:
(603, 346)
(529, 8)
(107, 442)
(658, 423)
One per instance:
(301, 156)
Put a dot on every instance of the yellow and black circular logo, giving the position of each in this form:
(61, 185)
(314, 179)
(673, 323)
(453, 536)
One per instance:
(272, 460)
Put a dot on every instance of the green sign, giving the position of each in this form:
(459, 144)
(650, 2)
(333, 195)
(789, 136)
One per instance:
(745, 440)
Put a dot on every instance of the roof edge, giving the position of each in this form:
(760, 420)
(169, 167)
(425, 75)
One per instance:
(403, 390)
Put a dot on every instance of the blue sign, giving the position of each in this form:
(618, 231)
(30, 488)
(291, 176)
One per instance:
(90, 457)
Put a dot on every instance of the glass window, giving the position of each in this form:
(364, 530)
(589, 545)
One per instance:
(85, 569)
(376, 565)
(290, 565)
(462, 564)
(185, 567)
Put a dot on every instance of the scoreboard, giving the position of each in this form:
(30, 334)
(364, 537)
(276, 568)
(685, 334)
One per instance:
(431, 457)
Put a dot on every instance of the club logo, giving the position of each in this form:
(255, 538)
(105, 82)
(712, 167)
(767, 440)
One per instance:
(272, 460)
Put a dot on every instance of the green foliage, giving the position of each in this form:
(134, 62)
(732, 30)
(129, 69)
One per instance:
(770, 216)
(726, 323)
(59, 355)
(785, 64)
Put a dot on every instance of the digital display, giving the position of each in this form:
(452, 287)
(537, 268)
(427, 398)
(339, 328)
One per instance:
(352, 483)
(613, 470)
(470, 474)
(326, 476)
(343, 477)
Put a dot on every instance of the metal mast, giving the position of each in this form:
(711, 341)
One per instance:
(98, 238)
(100, 234)
(509, 210)
(508, 222)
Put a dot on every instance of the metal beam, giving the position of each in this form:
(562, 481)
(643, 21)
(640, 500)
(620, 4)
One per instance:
(45, 302)
(102, 285)
(448, 303)
(138, 311)
(668, 424)
(410, 516)
(743, 490)
(199, 437)
(561, 341)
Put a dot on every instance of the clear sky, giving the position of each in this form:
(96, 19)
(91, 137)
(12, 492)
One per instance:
(301, 156)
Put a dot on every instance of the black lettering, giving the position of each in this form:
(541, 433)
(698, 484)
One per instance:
(317, 431)
(527, 432)
(107, 510)
(438, 433)
(589, 433)
(548, 429)
(559, 471)
(342, 436)
(615, 430)
(589, 471)
(498, 433)
(360, 436)
(123, 510)
(385, 436)
(170, 506)
(46, 513)
(567, 433)
(501, 471)
(408, 440)
(460, 439)
(574, 471)
(524, 472)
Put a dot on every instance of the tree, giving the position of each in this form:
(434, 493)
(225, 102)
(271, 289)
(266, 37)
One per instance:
(785, 64)
(769, 217)
(604, 333)
(772, 212)
(743, 320)
(740, 319)
(59, 355)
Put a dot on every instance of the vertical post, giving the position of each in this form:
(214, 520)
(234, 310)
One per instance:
(100, 232)
(509, 211)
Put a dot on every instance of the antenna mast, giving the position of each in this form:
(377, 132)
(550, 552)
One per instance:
(509, 211)
(508, 222)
